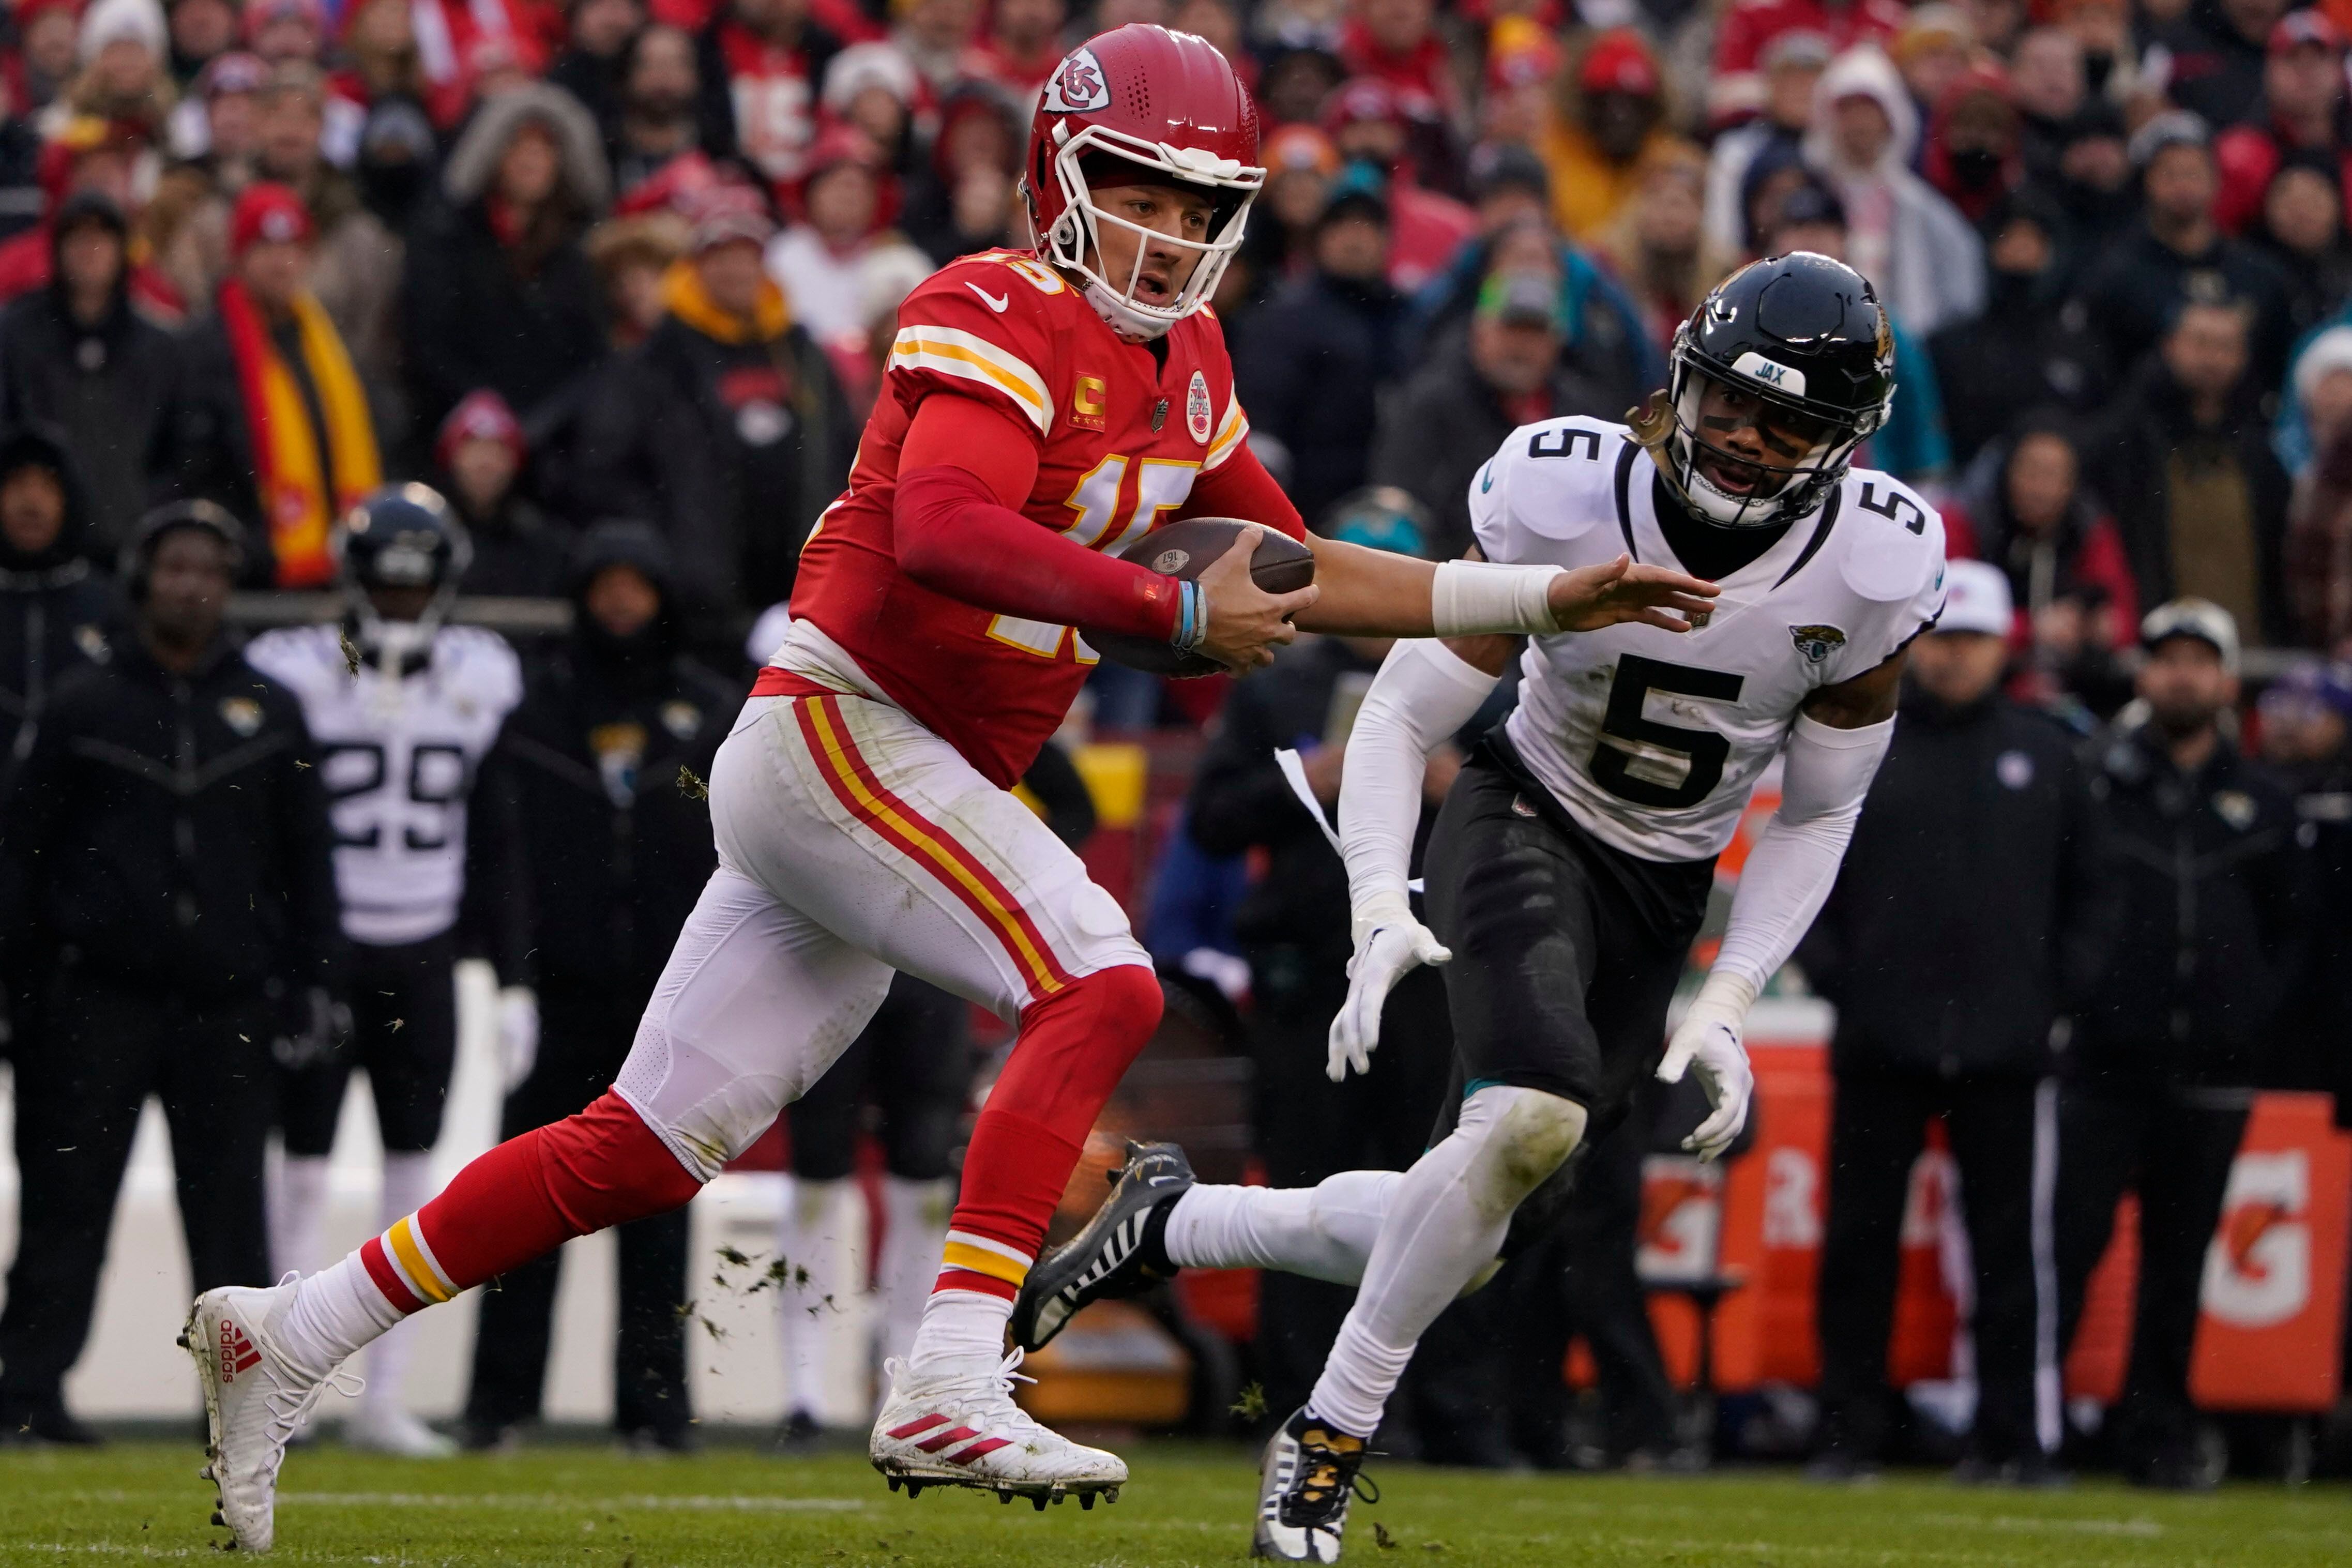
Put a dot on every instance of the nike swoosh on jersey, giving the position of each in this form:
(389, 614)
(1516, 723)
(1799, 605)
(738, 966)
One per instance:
(996, 302)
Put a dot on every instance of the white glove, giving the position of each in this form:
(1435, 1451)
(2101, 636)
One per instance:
(1708, 1040)
(1391, 944)
(518, 1035)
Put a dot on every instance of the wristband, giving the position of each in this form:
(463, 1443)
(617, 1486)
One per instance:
(1191, 617)
(1477, 598)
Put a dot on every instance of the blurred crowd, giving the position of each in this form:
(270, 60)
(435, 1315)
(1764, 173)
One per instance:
(618, 278)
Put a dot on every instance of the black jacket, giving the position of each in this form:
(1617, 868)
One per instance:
(472, 320)
(615, 847)
(172, 832)
(2217, 71)
(518, 551)
(1965, 917)
(2028, 349)
(2209, 925)
(1438, 429)
(57, 613)
(1310, 372)
(2311, 1051)
(2127, 460)
(730, 450)
(2132, 290)
(109, 389)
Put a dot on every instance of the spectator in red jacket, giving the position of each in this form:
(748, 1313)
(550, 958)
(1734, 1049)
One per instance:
(1021, 48)
(1974, 152)
(762, 63)
(1397, 41)
(2302, 111)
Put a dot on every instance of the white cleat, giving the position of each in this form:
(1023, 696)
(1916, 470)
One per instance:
(964, 1430)
(384, 1428)
(254, 1399)
(1308, 1476)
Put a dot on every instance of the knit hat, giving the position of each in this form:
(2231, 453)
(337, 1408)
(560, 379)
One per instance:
(2327, 351)
(480, 415)
(1618, 61)
(727, 212)
(268, 212)
(111, 21)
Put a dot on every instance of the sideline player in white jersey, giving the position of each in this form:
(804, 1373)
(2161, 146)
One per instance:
(403, 708)
(1568, 869)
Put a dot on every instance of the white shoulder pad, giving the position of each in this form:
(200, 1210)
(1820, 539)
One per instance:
(1896, 546)
(298, 658)
(1551, 480)
(484, 664)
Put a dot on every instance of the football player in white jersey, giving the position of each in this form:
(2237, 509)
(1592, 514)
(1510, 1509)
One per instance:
(1568, 869)
(403, 708)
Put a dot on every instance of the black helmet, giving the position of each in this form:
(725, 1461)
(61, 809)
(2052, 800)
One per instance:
(404, 536)
(1805, 334)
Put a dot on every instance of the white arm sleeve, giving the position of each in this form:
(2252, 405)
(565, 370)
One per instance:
(1824, 774)
(1424, 693)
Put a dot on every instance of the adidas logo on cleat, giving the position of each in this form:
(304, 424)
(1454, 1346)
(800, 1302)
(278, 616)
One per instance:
(947, 1439)
(238, 1353)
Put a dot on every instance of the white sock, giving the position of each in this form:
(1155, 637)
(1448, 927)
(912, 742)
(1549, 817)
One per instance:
(334, 1312)
(1323, 1232)
(297, 1213)
(962, 1330)
(1445, 1221)
(814, 1240)
(407, 1183)
(914, 1229)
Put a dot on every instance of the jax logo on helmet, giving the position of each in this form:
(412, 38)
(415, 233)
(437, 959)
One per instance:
(1078, 86)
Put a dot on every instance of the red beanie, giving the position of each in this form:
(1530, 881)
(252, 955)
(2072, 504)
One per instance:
(266, 211)
(480, 415)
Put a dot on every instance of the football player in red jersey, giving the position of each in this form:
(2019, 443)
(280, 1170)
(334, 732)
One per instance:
(1039, 410)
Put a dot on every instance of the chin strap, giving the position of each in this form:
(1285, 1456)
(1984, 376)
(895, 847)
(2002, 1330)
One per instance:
(1122, 319)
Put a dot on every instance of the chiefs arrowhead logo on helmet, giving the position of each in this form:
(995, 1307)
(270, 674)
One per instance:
(1078, 86)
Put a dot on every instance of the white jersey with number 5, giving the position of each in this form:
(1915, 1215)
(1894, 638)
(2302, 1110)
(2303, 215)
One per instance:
(1652, 739)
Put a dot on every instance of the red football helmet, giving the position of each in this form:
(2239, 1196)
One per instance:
(1165, 102)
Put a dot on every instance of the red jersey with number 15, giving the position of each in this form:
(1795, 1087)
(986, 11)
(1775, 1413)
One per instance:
(1122, 441)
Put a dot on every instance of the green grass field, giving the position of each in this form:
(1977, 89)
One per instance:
(1188, 1505)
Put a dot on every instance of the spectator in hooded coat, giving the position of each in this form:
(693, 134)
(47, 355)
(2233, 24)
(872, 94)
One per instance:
(76, 356)
(1902, 233)
(499, 292)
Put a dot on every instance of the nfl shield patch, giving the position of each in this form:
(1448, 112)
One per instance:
(1817, 642)
(242, 714)
(1196, 408)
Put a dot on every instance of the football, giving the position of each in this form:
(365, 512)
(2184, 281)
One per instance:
(1184, 551)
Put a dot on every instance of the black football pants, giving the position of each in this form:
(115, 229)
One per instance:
(2176, 1153)
(1878, 1124)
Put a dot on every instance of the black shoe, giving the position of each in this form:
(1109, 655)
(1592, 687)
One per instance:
(798, 1433)
(657, 1440)
(1309, 1475)
(2176, 1469)
(490, 1438)
(1840, 1467)
(1120, 1253)
(45, 1423)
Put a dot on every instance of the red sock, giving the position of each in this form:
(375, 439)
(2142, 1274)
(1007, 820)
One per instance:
(527, 1198)
(1075, 1047)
